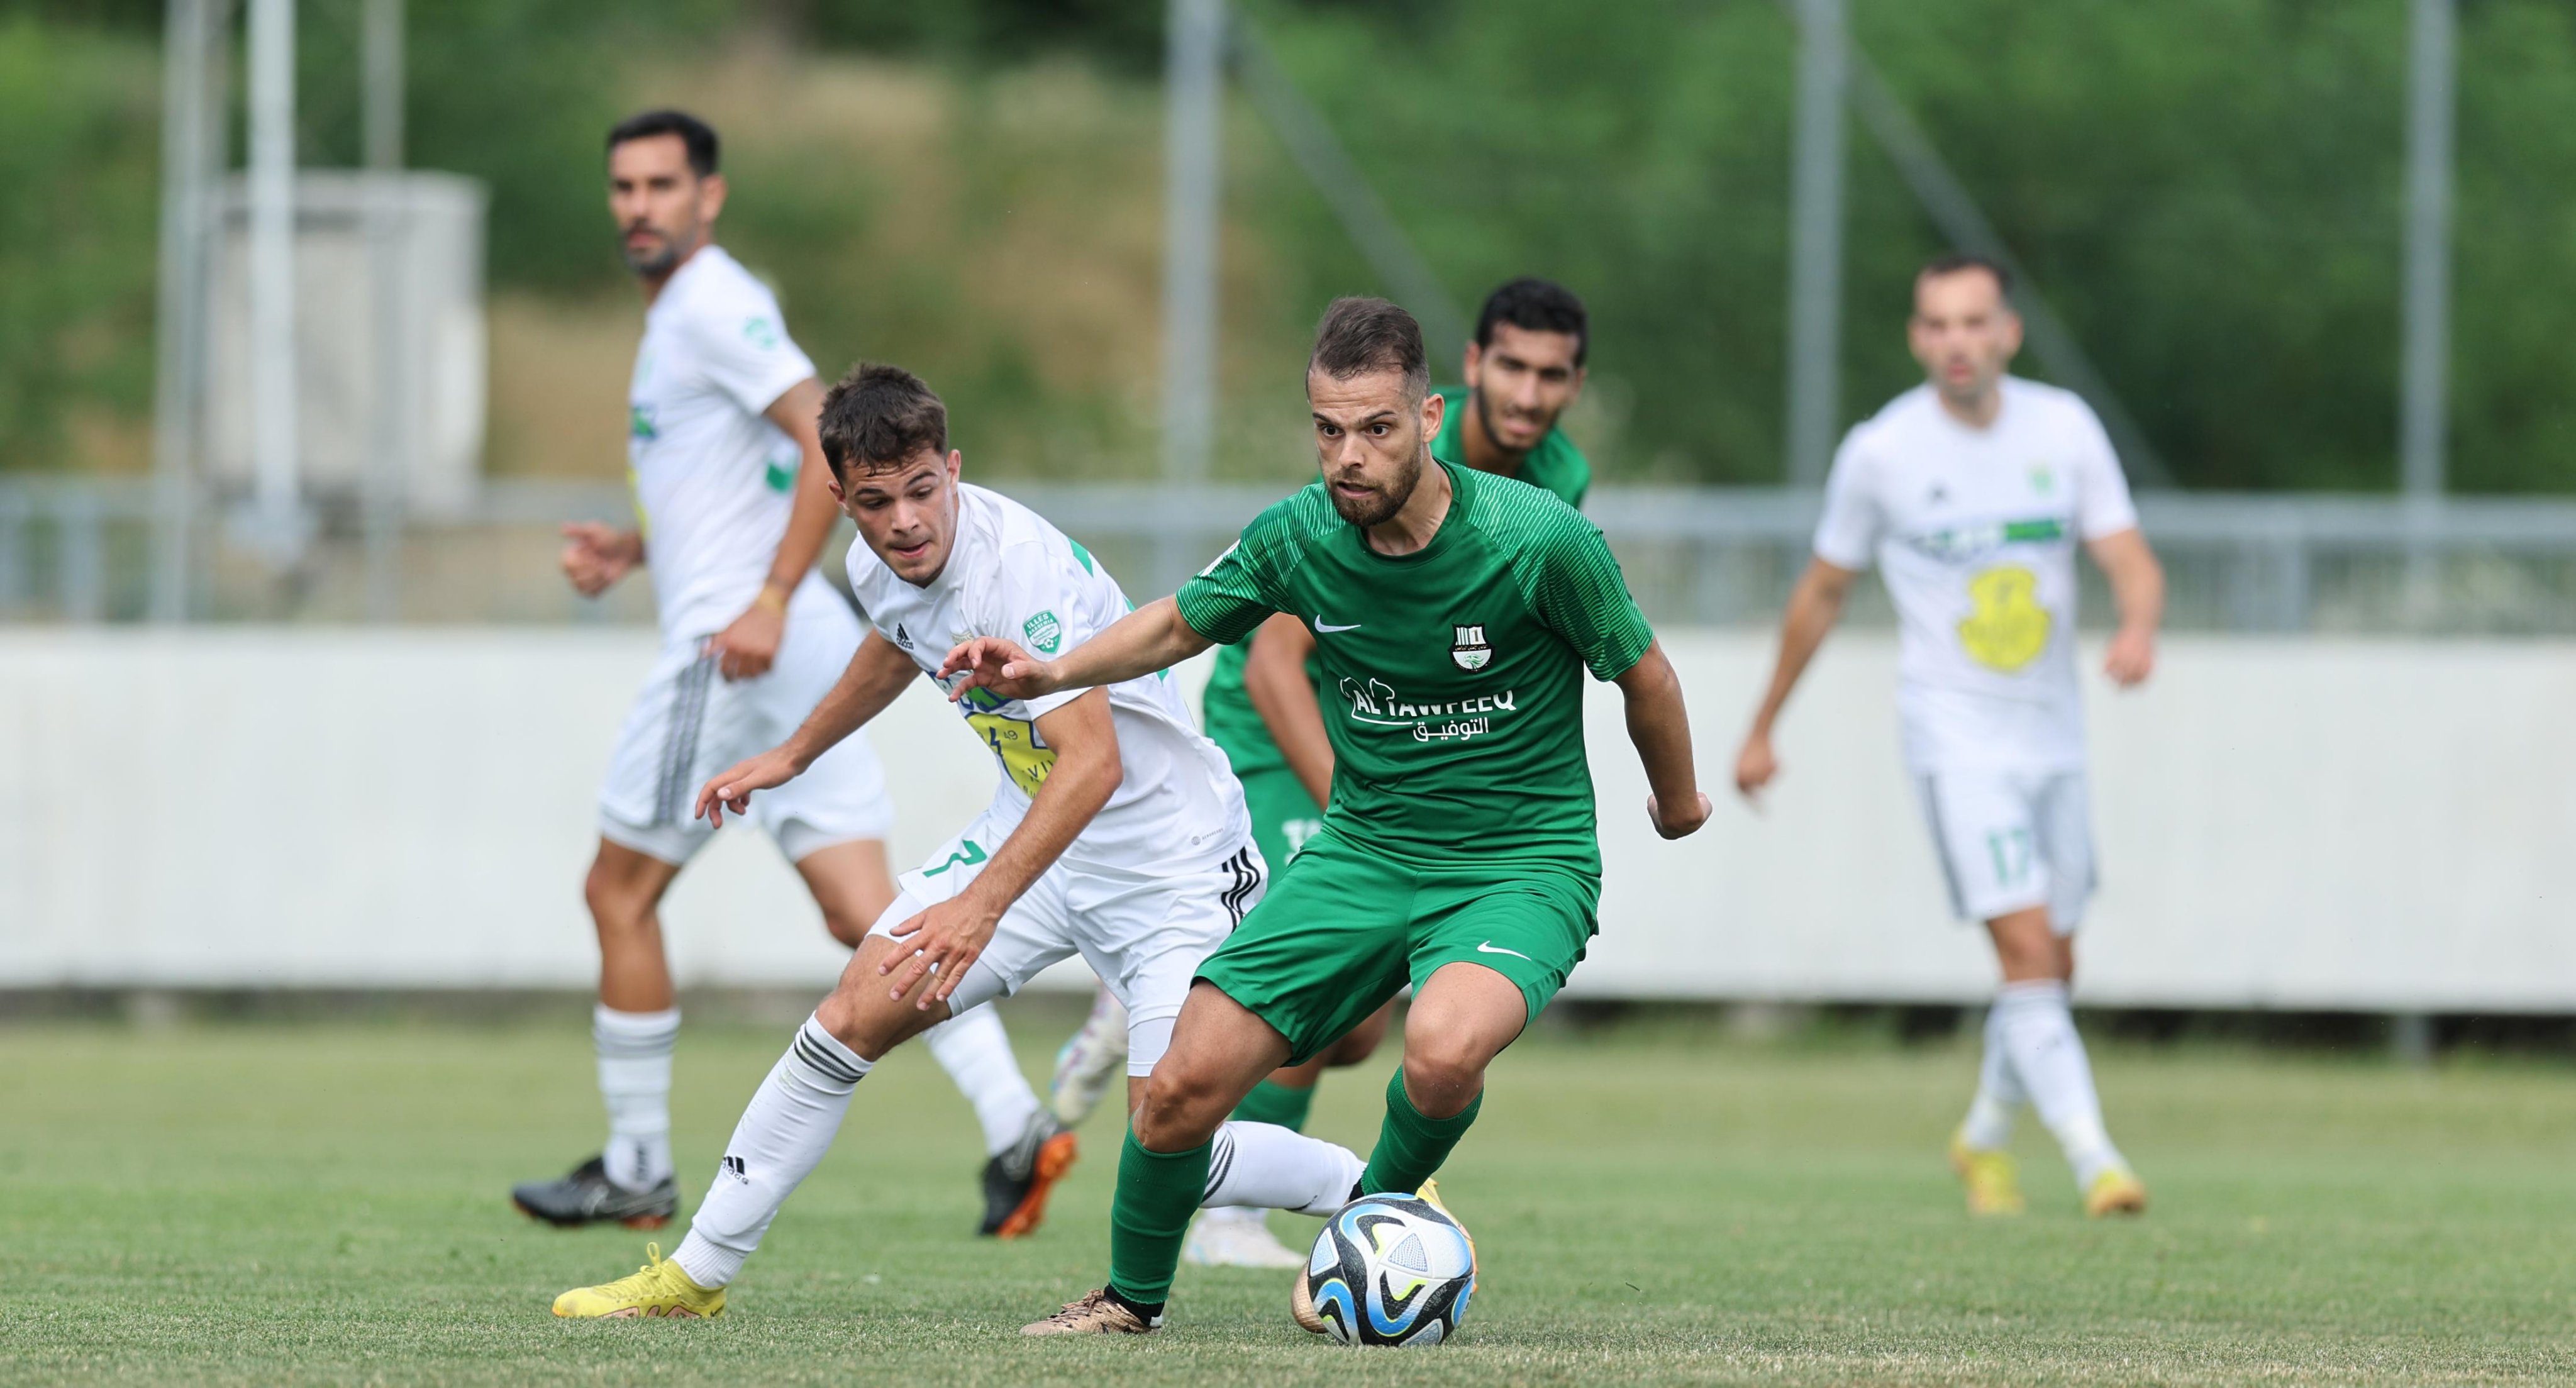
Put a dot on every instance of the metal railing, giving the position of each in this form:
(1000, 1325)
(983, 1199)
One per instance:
(83, 550)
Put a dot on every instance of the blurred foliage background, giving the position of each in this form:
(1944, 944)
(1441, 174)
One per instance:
(2208, 190)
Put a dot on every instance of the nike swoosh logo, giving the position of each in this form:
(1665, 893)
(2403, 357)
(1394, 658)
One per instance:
(1489, 947)
(1328, 629)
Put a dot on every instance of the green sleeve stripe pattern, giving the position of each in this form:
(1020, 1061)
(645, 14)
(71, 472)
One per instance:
(1569, 577)
(1235, 595)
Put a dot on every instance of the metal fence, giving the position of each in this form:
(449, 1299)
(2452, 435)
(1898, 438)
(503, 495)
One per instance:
(86, 551)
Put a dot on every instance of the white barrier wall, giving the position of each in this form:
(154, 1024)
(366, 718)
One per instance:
(2291, 824)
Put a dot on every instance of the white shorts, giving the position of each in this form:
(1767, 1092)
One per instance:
(2011, 840)
(690, 723)
(1144, 932)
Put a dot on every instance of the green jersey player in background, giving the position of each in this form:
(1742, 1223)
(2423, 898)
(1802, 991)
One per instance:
(1458, 612)
(1264, 703)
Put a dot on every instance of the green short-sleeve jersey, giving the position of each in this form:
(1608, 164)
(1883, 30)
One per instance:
(1235, 725)
(1451, 678)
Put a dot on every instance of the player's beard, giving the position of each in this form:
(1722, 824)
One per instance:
(1382, 504)
(1485, 417)
(659, 261)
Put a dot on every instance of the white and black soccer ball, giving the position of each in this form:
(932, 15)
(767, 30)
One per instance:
(1391, 1270)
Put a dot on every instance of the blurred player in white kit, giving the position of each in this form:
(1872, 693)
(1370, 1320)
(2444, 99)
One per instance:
(732, 495)
(1971, 493)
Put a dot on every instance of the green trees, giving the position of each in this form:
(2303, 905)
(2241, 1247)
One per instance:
(2206, 189)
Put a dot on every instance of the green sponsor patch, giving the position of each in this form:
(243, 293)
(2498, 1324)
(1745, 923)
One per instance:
(2030, 532)
(1044, 631)
(760, 333)
(782, 476)
(639, 423)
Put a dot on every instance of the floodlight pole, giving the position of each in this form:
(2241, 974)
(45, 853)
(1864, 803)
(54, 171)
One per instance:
(1194, 48)
(2424, 375)
(276, 513)
(389, 455)
(1816, 240)
(179, 316)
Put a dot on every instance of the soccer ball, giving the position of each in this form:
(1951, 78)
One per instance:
(1391, 1270)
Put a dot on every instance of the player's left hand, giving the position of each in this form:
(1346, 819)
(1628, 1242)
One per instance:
(745, 650)
(1678, 827)
(950, 936)
(2132, 657)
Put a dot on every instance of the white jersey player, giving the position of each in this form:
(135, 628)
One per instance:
(1116, 832)
(731, 491)
(1971, 494)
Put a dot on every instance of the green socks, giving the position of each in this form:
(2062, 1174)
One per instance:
(1149, 1216)
(1271, 1102)
(1410, 1147)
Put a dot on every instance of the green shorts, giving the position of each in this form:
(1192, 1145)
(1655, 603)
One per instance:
(1284, 816)
(1344, 929)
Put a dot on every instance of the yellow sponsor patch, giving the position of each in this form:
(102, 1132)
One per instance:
(2009, 628)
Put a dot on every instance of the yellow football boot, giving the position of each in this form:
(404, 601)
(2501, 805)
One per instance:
(2115, 1192)
(658, 1288)
(1994, 1187)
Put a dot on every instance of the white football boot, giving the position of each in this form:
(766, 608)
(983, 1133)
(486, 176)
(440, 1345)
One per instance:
(1237, 1238)
(1089, 1063)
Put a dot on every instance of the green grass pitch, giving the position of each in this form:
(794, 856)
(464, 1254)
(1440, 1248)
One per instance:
(277, 1204)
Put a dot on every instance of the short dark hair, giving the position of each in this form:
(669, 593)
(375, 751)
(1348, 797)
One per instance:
(1537, 306)
(697, 135)
(1957, 261)
(1359, 336)
(879, 418)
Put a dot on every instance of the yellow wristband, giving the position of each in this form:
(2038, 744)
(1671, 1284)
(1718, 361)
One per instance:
(773, 598)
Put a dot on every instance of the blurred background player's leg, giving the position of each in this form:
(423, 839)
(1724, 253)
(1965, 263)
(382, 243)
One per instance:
(1023, 1143)
(1089, 1061)
(2037, 845)
(633, 1030)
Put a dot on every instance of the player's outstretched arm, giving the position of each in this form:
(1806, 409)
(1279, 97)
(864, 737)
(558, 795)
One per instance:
(1814, 606)
(1274, 677)
(1151, 638)
(1659, 725)
(748, 646)
(952, 934)
(2138, 590)
(877, 673)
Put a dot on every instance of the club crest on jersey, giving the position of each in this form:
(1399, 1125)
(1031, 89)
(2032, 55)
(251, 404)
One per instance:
(1470, 650)
(1043, 631)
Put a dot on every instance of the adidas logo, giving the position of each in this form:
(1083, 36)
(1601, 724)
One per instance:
(732, 1166)
(901, 638)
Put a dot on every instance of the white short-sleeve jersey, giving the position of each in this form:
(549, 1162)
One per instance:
(1010, 574)
(714, 479)
(1975, 531)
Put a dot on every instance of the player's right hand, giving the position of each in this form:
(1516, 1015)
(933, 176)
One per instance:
(991, 663)
(1755, 766)
(596, 555)
(732, 788)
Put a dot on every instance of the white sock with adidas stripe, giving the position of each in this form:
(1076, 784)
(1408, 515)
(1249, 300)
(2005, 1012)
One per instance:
(782, 1137)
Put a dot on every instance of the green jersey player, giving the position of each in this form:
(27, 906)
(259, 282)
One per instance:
(1523, 370)
(1457, 614)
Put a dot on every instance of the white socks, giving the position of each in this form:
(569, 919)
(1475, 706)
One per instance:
(976, 1053)
(1999, 1091)
(635, 1082)
(782, 1137)
(1268, 1167)
(2042, 1059)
